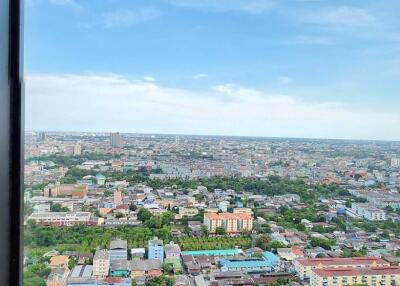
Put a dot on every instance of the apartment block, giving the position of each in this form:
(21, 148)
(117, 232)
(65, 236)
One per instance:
(231, 222)
(374, 276)
(305, 267)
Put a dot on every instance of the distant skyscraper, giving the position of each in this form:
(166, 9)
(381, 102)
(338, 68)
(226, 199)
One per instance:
(116, 140)
(77, 150)
(42, 136)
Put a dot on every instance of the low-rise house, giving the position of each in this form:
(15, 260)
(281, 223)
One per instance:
(81, 275)
(119, 268)
(172, 250)
(138, 253)
(57, 277)
(59, 261)
(118, 250)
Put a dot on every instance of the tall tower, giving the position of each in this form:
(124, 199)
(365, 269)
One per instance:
(116, 140)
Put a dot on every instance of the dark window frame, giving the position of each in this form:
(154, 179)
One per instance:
(11, 142)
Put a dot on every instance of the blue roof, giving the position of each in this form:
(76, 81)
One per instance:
(270, 257)
(218, 252)
(269, 260)
(100, 176)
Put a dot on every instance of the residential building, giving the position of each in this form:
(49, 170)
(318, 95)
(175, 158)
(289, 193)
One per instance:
(230, 222)
(117, 198)
(118, 250)
(305, 266)
(172, 250)
(63, 218)
(373, 276)
(59, 261)
(116, 140)
(368, 211)
(57, 277)
(101, 179)
(156, 249)
(66, 190)
(101, 263)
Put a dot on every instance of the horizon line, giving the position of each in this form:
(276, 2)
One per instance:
(223, 135)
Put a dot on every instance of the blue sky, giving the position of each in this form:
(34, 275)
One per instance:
(295, 68)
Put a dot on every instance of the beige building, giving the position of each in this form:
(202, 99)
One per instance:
(305, 267)
(243, 211)
(101, 263)
(231, 222)
(374, 276)
(66, 190)
(189, 212)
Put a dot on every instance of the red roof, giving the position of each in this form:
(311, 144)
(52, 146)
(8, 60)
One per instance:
(227, 216)
(342, 261)
(338, 272)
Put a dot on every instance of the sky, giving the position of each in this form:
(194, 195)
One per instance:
(288, 68)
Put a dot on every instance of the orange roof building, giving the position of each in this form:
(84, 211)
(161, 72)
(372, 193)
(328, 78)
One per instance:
(382, 275)
(231, 222)
(304, 266)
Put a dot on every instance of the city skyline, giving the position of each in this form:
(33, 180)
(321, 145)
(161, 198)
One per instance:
(305, 69)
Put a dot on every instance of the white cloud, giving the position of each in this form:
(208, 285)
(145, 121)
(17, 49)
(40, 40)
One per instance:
(247, 6)
(200, 76)
(342, 17)
(105, 102)
(122, 18)
(149, 78)
(285, 80)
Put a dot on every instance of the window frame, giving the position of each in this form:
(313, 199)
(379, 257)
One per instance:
(11, 142)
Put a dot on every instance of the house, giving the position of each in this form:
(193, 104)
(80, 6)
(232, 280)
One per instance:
(57, 277)
(290, 254)
(119, 268)
(59, 261)
(81, 275)
(138, 253)
(172, 250)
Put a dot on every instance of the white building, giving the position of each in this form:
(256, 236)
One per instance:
(368, 211)
(101, 263)
(62, 218)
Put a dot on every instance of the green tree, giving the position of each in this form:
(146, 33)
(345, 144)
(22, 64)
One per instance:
(144, 215)
(56, 207)
(263, 242)
(220, 231)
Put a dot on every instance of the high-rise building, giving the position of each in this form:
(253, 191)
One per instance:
(230, 222)
(156, 249)
(116, 140)
(41, 136)
(117, 198)
(101, 263)
(77, 150)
